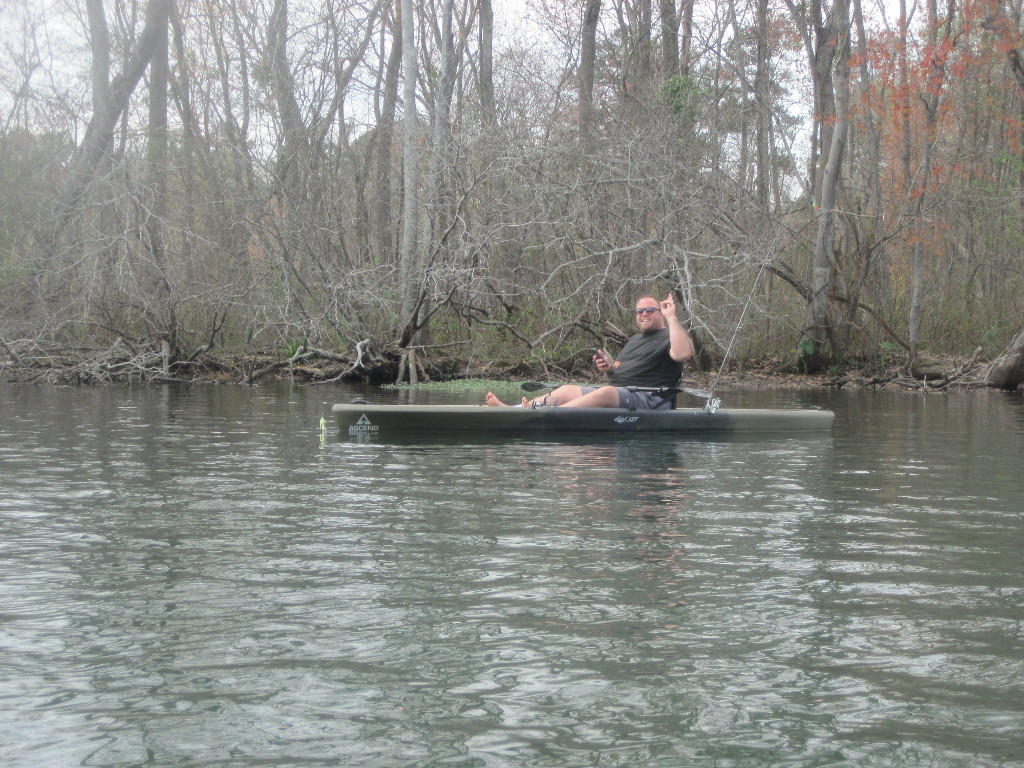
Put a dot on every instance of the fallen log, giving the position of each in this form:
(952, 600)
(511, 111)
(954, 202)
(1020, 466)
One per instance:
(302, 354)
(1007, 370)
(929, 367)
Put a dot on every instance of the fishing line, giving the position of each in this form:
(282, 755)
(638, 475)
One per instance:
(739, 323)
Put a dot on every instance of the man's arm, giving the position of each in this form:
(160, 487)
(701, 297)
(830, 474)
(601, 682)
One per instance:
(680, 346)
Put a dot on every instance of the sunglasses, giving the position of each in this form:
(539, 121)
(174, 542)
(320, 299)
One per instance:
(646, 310)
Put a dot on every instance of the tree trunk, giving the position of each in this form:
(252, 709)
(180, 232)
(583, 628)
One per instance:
(487, 63)
(904, 89)
(932, 100)
(181, 88)
(382, 224)
(99, 36)
(588, 54)
(100, 132)
(810, 357)
(164, 315)
(410, 210)
(686, 38)
(669, 39)
(643, 70)
(1007, 372)
(877, 266)
(292, 150)
(762, 100)
(826, 39)
(430, 204)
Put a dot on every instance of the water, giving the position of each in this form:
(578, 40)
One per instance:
(196, 577)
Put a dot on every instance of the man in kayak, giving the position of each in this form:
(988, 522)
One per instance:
(653, 357)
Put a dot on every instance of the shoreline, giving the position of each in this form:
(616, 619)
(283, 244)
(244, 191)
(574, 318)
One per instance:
(315, 367)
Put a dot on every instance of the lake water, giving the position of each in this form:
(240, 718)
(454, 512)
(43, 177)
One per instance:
(197, 577)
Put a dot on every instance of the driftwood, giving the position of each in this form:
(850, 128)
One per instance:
(356, 365)
(129, 361)
(122, 361)
(306, 354)
(1007, 371)
(930, 373)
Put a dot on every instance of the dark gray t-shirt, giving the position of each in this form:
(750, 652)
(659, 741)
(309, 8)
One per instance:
(645, 362)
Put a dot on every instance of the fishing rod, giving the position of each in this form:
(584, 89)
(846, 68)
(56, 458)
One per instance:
(736, 330)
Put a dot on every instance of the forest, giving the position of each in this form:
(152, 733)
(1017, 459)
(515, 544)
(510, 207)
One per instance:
(401, 189)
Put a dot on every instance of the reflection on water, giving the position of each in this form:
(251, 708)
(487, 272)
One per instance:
(191, 578)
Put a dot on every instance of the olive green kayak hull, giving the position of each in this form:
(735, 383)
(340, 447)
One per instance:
(361, 419)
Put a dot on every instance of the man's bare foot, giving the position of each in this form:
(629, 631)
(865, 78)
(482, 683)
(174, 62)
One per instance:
(492, 400)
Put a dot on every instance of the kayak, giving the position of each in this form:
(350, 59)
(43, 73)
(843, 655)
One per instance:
(368, 420)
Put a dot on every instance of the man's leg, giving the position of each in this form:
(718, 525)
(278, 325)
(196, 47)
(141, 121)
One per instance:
(559, 396)
(602, 397)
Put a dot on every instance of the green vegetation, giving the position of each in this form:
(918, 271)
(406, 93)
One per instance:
(461, 385)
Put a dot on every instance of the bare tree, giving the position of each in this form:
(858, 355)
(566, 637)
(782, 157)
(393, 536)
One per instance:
(407, 276)
(384, 133)
(762, 100)
(834, 90)
(100, 132)
(588, 53)
(940, 32)
(487, 63)
(292, 168)
(155, 216)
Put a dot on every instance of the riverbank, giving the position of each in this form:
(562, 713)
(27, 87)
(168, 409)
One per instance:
(123, 364)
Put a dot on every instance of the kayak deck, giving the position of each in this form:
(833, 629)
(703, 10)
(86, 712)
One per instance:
(375, 419)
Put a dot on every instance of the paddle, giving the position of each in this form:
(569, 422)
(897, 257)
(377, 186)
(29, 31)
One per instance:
(536, 386)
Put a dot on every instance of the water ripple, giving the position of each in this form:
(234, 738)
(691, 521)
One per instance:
(190, 578)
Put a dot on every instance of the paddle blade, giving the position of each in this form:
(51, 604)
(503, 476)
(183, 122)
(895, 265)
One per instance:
(535, 386)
